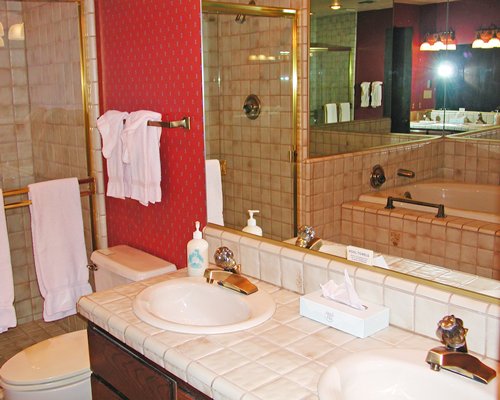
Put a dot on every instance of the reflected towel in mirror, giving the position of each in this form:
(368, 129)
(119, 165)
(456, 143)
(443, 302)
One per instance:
(214, 192)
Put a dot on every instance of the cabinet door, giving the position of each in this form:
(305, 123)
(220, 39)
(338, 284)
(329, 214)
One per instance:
(133, 377)
(101, 391)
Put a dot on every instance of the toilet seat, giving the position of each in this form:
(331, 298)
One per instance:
(58, 361)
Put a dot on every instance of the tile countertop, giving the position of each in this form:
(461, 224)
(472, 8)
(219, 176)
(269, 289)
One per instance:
(282, 358)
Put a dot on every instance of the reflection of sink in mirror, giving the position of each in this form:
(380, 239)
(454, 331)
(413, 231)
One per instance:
(191, 305)
(397, 374)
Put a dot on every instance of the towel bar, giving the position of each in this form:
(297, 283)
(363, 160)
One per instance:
(183, 123)
(15, 192)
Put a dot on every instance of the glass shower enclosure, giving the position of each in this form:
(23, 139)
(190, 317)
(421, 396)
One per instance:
(249, 66)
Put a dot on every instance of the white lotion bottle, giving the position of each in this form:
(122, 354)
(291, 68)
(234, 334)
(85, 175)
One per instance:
(252, 224)
(197, 253)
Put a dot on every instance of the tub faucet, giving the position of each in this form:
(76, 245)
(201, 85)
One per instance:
(406, 173)
(227, 273)
(480, 119)
(306, 238)
(453, 356)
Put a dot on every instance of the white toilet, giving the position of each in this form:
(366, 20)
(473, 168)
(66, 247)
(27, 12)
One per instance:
(59, 368)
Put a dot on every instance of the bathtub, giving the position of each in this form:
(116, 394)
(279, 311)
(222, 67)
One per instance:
(479, 202)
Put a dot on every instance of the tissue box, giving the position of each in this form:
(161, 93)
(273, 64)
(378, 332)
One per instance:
(360, 323)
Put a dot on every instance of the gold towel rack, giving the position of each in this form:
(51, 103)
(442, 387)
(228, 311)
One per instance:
(183, 123)
(15, 192)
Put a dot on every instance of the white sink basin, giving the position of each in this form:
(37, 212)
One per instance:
(191, 305)
(392, 374)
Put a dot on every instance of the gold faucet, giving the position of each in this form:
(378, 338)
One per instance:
(454, 356)
(227, 273)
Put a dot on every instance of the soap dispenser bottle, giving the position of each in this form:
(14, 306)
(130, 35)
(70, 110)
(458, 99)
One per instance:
(197, 253)
(252, 224)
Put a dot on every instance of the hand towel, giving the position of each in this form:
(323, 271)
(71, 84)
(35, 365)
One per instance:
(142, 155)
(7, 312)
(58, 245)
(345, 112)
(376, 94)
(365, 94)
(331, 113)
(110, 125)
(214, 192)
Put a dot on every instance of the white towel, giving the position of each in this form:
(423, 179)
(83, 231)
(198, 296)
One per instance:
(110, 125)
(142, 154)
(214, 192)
(376, 94)
(365, 94)
(7, 312)
(330, 113)
(58, 245)
(345, 112)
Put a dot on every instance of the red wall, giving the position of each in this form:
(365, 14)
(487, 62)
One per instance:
(465, 17)
(150, 58)
(369, 64)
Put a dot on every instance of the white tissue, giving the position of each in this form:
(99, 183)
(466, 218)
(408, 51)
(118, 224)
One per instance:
(343, 293)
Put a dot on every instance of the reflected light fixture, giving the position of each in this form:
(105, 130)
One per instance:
(2, 44)
(439, 41)
(335, 5)
(487, 38)
(16, 31)
(445, 70)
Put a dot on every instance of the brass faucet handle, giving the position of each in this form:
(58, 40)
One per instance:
(452, 333)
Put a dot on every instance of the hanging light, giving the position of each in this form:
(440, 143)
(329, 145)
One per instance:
(335, 5)
(487, 38)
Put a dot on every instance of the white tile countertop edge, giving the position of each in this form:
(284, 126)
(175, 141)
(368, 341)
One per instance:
(281, 358)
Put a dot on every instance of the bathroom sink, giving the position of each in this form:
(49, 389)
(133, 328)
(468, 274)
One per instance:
(392, 374)
(191, 305)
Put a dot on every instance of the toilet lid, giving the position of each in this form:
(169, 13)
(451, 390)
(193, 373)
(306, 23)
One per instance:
(58, 358)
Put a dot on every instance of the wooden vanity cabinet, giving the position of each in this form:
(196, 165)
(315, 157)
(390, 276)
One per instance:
(119, 372)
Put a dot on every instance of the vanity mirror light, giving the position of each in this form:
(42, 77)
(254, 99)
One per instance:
(305, 198)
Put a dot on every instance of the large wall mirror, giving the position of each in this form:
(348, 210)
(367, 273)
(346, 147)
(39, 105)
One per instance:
(367, 46)
(368, 73)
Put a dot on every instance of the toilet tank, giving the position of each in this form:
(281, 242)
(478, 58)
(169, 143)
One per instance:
(123, 264)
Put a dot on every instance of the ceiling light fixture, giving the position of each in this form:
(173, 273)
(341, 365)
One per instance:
(336, 5)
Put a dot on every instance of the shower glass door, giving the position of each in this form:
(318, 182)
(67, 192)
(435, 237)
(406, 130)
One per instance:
(246, 54)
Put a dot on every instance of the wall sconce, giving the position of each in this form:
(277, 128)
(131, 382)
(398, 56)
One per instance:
(487, 38)
(16, 31)
(2, 44)
(439, 41)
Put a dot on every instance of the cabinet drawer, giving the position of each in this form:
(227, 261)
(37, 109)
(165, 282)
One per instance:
(133, 377)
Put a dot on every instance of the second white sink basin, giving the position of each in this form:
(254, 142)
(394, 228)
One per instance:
(191, 305)
(392, 374)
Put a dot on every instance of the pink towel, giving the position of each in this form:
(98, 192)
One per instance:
(141, 153)
(7, 312)
(58, 245)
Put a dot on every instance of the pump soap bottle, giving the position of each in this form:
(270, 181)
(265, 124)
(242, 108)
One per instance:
(197, 253)
(252, 224)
